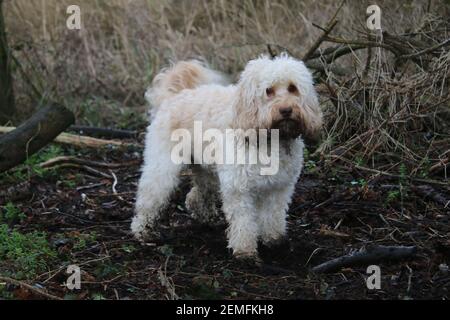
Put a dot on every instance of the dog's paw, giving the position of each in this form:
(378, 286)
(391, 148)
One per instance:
(275, 250)
(281, 241)
(148, 235)
(143, 232)
(250, 259)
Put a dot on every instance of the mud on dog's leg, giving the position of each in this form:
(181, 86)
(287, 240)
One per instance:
(155, 188)
(202, 199)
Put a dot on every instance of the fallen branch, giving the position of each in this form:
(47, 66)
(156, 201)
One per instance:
(29, 287)
(366, 256)
(79, 141)
(104, 132)
(429, 192)
(325, 231)
(85, 168)
(74, 160)
(20, 143)
(440, 165)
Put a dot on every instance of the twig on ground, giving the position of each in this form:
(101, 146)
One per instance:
(29, 287)
(91, 186)
(440, 165)
(115, 181)
(86, 168)
(368, 255)
(70, 159)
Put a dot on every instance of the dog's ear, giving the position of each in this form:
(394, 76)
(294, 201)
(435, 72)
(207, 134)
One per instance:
(245, 106)
(312, 117)
(247, 99)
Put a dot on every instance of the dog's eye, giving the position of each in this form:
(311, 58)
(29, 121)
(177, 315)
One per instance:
(270, 92)
(292, 89)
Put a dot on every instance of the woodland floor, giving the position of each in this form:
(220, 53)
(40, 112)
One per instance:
(333, 212)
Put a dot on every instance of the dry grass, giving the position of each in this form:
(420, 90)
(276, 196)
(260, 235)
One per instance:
(103, 70)
(124, 42)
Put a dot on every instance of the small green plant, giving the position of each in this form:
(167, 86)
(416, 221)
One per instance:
(4, 294)
(69, 184)
(12, 214)
(83, 240)
(98, 296)
(310, 164)
(426, 164)
(403, 171)
(392, 196)
(363, 182)
(128, 248)
(31, 165)
(399, 194)
(24, 255)
(360, 182)
(306, 154)
(80, 244)
(107, 270)
(359, 161)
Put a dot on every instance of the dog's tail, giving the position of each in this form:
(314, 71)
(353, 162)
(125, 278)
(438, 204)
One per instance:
(182, 75)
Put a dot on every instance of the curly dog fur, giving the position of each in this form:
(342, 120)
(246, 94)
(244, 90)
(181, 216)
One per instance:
(270, 94)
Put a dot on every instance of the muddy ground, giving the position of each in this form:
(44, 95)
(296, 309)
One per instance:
(335, 210)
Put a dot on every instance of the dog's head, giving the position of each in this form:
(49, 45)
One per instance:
(278, 94)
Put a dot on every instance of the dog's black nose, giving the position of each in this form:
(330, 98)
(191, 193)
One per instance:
(286, 112)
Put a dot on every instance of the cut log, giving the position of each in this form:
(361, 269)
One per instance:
(367, 256)
(80, 141)
(44, 126)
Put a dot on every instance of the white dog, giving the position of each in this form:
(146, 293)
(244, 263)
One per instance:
(271, 94)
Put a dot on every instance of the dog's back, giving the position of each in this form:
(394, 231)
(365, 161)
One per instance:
(182, 75)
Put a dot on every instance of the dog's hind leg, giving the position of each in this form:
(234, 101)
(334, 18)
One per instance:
(159, 179)
(201, 201)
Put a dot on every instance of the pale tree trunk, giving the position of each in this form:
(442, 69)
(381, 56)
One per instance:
(7, 106)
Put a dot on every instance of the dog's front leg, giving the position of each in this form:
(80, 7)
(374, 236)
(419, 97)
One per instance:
(242, 232)
(273, 207)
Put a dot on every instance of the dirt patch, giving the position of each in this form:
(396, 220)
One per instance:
(87, 224)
